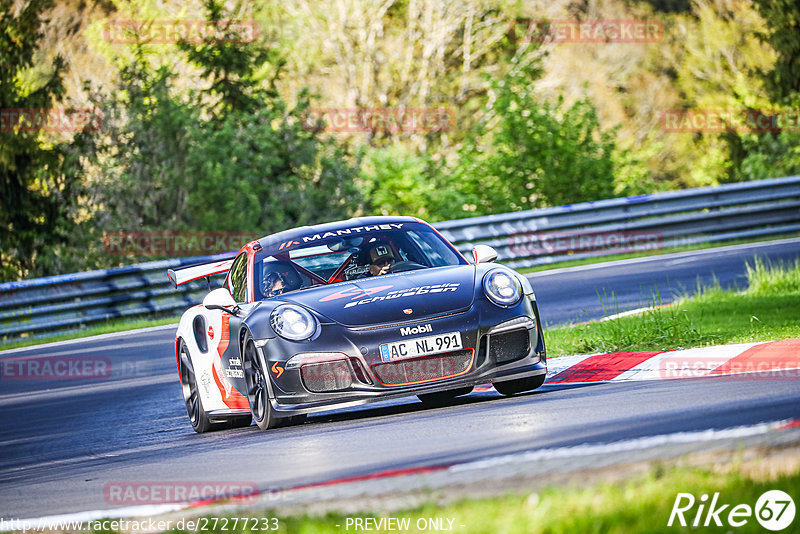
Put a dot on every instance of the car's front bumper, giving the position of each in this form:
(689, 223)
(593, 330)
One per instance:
(481, 328)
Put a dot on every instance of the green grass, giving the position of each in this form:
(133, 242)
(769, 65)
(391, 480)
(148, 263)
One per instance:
(657, 252)
(768, 310)
(110, 326)
(642, 503)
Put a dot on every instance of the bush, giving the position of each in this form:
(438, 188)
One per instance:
(540, 154)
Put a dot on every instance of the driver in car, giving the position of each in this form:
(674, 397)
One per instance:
(274, 284)
(381, 259)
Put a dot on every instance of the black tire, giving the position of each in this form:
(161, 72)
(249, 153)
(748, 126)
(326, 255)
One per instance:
(194, 404)
(443, 398)
(255, 379)
(512, 387)
(191, 394)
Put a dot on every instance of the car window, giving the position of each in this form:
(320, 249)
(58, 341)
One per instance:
(238, 278)
(269, 270)
(434, 252)
(347, 254)
(319, 260)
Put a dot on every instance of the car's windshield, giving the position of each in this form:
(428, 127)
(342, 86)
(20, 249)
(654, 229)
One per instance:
(349, 255)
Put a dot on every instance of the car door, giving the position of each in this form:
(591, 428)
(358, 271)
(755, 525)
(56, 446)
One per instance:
(228, 367)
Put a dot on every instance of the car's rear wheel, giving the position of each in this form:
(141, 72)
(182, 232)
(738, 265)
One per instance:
(194, 404)
(442, 398)
(257, 390)
(191, 394)
(512, 387)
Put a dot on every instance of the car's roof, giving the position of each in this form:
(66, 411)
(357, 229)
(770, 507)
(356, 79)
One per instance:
(295, 233)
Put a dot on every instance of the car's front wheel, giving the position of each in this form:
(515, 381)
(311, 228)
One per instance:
(442, 398)
(255, 377)
(512, 387)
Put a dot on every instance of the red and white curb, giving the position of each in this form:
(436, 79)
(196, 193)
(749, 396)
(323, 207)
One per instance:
(774, 359)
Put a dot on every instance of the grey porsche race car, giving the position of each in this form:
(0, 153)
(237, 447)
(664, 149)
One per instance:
(345, 313)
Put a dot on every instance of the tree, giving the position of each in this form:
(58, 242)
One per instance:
(38, 185)
(235, 67)
(228, 155)
(264, 172)
(771, 154)
(400, 54)
(142, 153)
(396, 181)
(532, 154)
(783, 20)
(256, 160)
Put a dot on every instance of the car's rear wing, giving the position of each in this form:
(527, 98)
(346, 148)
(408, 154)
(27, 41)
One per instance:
(195, 272)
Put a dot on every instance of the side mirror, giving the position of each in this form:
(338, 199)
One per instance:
(219, 299)
(484, 254)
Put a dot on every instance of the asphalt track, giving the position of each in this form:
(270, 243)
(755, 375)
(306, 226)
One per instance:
(62, 442)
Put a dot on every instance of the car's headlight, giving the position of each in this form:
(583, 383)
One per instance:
(293, 322)
(501, 287)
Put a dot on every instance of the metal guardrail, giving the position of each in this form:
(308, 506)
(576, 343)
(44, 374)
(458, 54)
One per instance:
(686, 217)
(58, 304)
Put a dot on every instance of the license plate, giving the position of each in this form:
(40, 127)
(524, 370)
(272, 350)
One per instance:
(421, 346)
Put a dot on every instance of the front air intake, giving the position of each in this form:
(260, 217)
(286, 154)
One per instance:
(326, 376)
(509, 346)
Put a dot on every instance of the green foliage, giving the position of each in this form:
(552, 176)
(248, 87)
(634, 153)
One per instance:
(632, 176)
(535, 153)
(783, 20)
(395, 181)
(142, 154)
(264, 172)
(38, 186)
(755, 156)
(745, 55)
(719, 58)
(776, 280)
(526, 154)
(234, 67)
(232, 157)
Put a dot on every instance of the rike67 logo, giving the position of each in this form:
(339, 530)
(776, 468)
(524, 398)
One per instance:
(774, 510)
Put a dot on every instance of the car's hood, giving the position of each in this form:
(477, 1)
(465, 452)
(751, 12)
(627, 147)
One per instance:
(394, 297)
